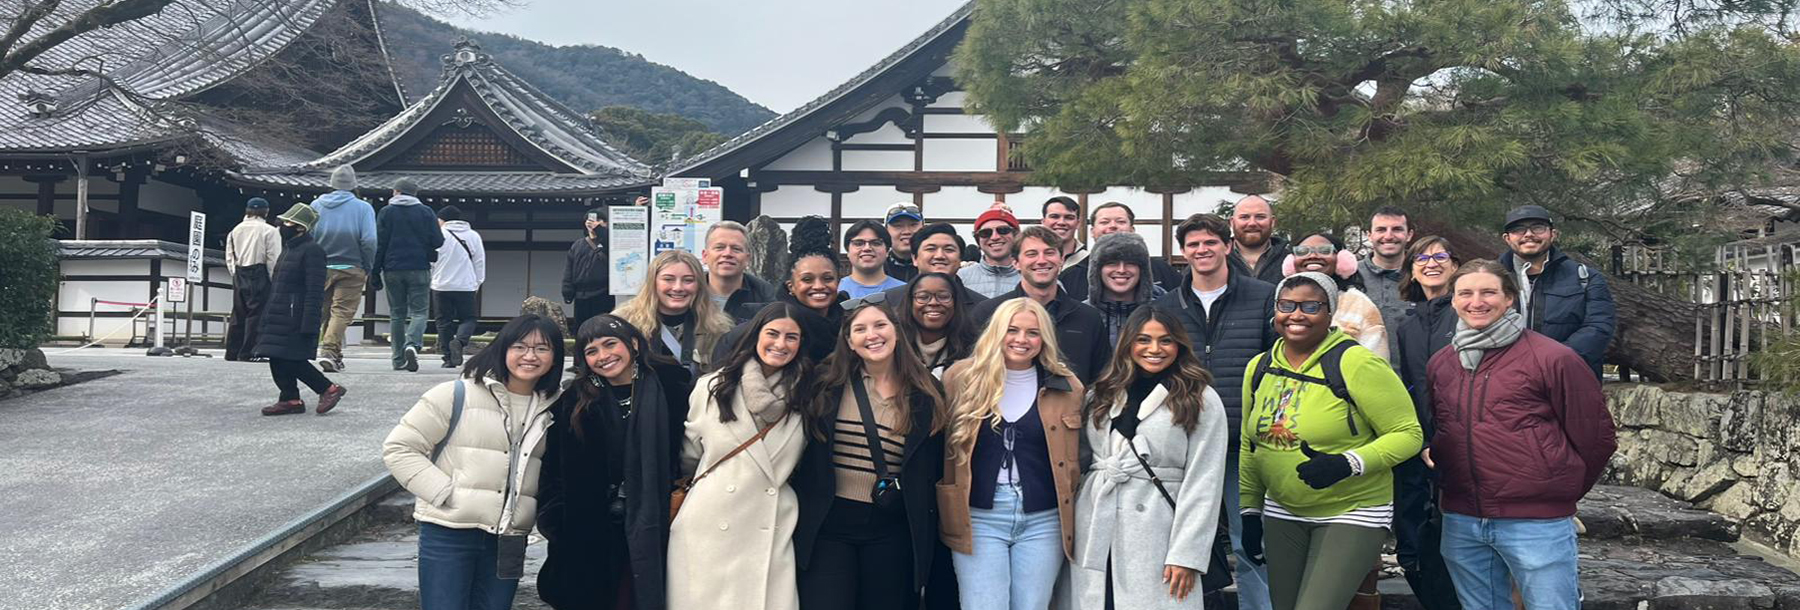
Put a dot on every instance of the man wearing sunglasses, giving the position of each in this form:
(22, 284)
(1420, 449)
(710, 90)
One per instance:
(1561, 298)
(1390, 232)
(994, 275)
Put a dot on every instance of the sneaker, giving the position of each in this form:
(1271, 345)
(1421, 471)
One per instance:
(447, 365)
(411, 357)
(329, 399)
(285, 407)
(334, 364)
(454, 356)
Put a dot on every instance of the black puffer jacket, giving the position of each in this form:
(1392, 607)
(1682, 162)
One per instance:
(754, 290)
(290, 320)
(1422, 334)
(586, 274)
(1080, 331)
(1565, 306)
(1225, 343)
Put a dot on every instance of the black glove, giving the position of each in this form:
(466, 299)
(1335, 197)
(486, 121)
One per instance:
(1322, 470)
(375, 281)
(1252, 537)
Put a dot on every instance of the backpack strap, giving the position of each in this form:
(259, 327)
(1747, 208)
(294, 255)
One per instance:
(1581, 272)
(456, 409)
(1332, 361)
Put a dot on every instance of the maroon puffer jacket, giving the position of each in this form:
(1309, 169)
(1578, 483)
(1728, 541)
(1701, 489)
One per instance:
(1524, 436)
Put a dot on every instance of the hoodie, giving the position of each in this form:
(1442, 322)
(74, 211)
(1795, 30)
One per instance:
(345, 231)
(1109, 249)
(461, 262)
(410, 237)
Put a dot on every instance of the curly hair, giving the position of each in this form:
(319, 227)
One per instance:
(810, 237)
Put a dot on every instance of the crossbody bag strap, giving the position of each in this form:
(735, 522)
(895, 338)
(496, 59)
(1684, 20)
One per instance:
(456, 409)
(465, 245)
(1154, 480)
(877, 452)
(740, 449)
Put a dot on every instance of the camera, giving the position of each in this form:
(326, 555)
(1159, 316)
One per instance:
(886, 494)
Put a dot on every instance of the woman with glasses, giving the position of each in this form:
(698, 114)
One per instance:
(1324, 422)
(603, 495)
(1006, 503)
(676, 312)
(1424, 281)
(470, 451)
(731, 546)
(1353, 312)
(936, 320)
(866, 483)
(1149, 505)
(812, 286)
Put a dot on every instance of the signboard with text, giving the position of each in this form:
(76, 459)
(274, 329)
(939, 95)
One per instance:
(196, 255)
(627, 248)
(681, 216)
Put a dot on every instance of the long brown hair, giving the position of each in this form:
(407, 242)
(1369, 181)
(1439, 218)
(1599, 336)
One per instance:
(1410, 290)
(725, 384)
(844, 366)
(1187, 381)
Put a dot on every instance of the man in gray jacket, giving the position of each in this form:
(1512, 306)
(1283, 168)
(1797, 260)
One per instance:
(346, 232)
(1390, 233)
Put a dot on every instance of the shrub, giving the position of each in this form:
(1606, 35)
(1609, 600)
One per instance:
(28, 276)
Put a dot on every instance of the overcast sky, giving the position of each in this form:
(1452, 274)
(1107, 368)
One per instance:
(778, 53)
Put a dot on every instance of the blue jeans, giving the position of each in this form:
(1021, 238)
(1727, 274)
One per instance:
(456, 570)
(1017, 555)
(1252, 579)
(409, 304)
(1487, 556)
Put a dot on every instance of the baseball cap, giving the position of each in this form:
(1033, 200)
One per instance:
(257, 203)
(904, 209)
(1527, 212)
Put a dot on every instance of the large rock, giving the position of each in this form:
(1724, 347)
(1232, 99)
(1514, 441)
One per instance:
(544, 307)
(1702, 484)
(11, 357)
(1738, 421)
(1772, 487)
(1734, 502)
(37, 379)
(1671, 448)
(1637, 406)
(1684, 593)
(1694, 414)
(34, 359)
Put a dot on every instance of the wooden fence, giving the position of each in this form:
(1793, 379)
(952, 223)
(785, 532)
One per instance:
(1745, 301)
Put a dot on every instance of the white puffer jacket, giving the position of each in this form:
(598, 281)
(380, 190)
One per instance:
(487, 475)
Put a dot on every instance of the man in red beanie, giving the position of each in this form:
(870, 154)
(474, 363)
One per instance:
(994, 275)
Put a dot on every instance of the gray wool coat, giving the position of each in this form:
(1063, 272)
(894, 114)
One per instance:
(1119, 512)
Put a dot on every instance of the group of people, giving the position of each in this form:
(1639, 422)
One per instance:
(1056, 424)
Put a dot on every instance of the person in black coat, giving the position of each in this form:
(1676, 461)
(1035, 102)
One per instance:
(1424, 281)
(289, 330)
(812, 286)
(867, 535)
(608, 467)
(1080, 329)
(586, 282)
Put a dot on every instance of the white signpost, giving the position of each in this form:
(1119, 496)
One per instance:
(196, 256)
(628, 248)
(178, 290)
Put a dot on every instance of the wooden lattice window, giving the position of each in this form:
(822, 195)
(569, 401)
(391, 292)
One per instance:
(452, 145)
(1010, 158)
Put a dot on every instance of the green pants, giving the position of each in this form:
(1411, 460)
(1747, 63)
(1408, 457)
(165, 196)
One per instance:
(1317, 566)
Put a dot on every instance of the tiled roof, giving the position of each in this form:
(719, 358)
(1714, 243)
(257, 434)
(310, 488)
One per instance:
(188, 47)
(131, 249)
(841, 101)
(440, 183)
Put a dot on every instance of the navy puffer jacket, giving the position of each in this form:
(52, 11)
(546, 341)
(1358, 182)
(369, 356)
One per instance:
(1566, 308)
(1238, 331)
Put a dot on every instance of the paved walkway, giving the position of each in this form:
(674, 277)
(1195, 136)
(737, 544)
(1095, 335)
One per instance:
(114, 489)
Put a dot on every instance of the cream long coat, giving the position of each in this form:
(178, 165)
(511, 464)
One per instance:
(732, 545)
(1119, 513)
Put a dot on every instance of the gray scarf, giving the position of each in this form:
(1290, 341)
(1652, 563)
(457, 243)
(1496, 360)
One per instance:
(1471, 343)
(760, 395)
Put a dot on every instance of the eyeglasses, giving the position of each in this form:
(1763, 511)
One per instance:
(858, 244)
(1440, 258)
(542, 351)
(923, 298)
(986, 233)
(1305, 307)
(1325, 250)
(1533, 229)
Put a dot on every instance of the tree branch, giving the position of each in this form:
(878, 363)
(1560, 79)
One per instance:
(92, 19)
(29, 16)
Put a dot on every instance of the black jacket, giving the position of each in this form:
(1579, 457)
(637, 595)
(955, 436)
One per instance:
(586, 551)
(290, 321)
(921, 465)
(1425, 332)
(1080, 331)
(1268, 266)
(585, 275)
(1578, 314)
(407, 237)
(754, 290)
(903, 270)
(818, 333)
(1225, 343)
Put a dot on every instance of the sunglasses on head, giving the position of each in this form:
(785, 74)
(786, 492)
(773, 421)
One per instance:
(986, 233)
(1305, 307)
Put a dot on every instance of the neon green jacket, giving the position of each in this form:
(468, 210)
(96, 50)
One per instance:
(1287, 411)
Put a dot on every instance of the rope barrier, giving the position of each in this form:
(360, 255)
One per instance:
(142, 309)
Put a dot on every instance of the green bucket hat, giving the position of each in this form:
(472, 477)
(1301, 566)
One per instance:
(303, 215)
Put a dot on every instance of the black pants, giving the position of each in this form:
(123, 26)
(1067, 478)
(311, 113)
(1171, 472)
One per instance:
(287, 372)
(457, 314)
(249, 295)
(1418, 528)
(863, 559)
(588, 308)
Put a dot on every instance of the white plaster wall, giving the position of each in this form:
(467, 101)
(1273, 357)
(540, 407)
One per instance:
(869, 202)
(791, 200)
(878, 160)
(960, 155)
(956, 123)
(813, 155)
(953, 99)
(887, 134)
(964, 202)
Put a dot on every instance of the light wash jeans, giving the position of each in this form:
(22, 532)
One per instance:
(1017, 555)
(1486, 556)
(1252, 579)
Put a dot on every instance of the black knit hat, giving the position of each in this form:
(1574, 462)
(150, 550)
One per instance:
(449, 213)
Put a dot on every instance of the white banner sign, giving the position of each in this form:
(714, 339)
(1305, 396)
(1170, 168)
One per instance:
(628, 248)
(196, 258)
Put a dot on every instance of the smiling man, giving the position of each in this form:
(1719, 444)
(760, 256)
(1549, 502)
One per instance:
(994, 275)
(1390, 232)
(866, 241)
(1560, 297)
(1106, 219)
(1257, 250)
(903, 220)
(1080, 333)
(726, 255)
(1120, 280)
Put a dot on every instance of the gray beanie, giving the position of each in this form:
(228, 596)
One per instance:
(343, 178)
(1116, 247)
(407, 186)
(1325, 282)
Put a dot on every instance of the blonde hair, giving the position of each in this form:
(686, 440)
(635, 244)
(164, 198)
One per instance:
(641, 312)
(982, 383)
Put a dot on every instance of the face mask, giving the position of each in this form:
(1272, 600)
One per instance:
(289, 232)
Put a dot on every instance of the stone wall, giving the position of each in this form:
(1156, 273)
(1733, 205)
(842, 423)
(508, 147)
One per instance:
(1735, 454)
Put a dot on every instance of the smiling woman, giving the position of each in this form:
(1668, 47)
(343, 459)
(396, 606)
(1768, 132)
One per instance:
(675, 310)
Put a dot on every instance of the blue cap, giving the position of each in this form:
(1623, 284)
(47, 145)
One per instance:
(256, 203)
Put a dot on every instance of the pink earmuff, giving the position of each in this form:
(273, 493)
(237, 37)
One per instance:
(1346, 264)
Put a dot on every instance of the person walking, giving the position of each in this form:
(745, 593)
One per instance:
(603, 493)
(866, 241)
(1119, 280)
(1011, 465)
(932, 316)
(1389, 234)
(1352, 311)
(1148, 511)
(346, 232)
(471, 450)
(731, 546)
(674, 310)
(288, 332)
(456, 280)
(995, 231)
(1561, 298)
(867, 534)
(251, 249)
(586, 279)
(1324, 423)
(1522, 434)
(1080, 331)
(1427, 329)
(408, 246)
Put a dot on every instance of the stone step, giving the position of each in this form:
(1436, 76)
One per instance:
(376, 570)
(1614, 512)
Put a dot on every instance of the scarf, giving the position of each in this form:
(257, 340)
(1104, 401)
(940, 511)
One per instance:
(759, 395)
(1471, 343)
(931, 350)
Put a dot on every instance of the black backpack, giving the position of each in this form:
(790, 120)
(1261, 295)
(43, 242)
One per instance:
(1332, 361)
